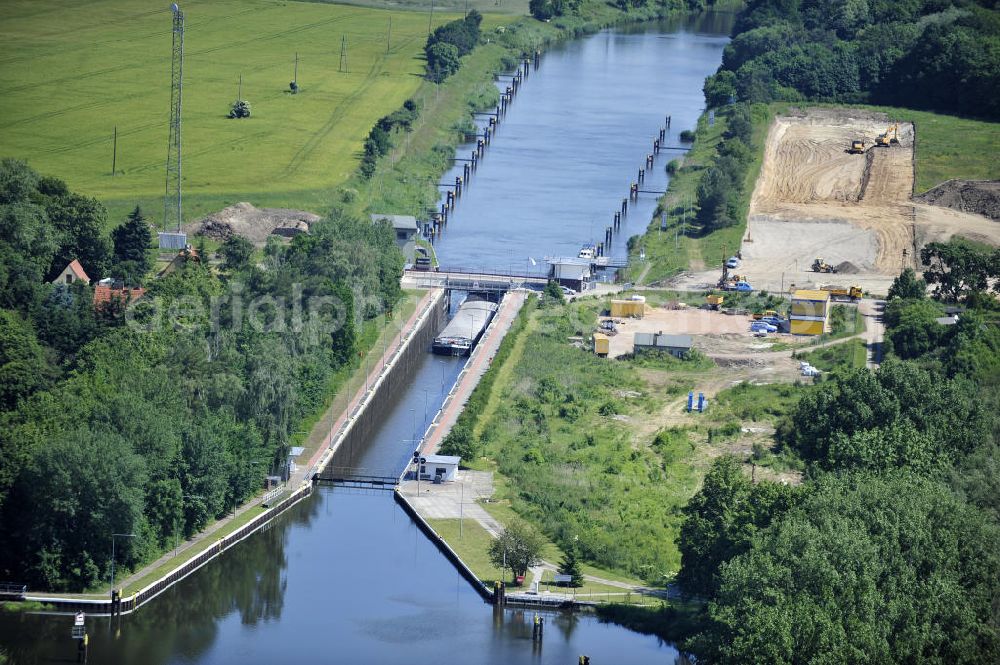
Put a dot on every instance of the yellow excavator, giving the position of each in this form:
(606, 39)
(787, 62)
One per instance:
(857, 147)
(889, 138)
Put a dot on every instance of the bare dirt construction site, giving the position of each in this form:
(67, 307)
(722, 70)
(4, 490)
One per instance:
(726, 338)
(814, 199)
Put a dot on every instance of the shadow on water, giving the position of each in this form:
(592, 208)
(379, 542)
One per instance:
(345, 576)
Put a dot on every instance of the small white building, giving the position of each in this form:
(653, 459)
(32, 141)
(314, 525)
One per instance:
(573, 272)
(445, 466)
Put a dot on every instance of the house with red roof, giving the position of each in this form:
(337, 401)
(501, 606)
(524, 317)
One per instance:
(105, 293)
(72, 273)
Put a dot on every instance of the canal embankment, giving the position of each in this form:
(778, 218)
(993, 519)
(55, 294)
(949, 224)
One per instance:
(406, 180)
(437, 508)
(383, 381)
(382, 388)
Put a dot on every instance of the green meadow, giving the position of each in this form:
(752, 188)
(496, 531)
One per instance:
(71, 71)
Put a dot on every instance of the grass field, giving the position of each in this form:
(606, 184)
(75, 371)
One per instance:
(70, 71)
(852, 354)
(518, 7)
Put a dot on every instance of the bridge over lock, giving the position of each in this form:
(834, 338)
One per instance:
(357, 477)
(497, 281)
(465, 279)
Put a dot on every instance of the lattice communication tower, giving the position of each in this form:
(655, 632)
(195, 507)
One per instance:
(172, 195)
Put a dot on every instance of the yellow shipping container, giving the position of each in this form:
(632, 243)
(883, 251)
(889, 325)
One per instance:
(628, 308)
(602, 345)
(806, 327)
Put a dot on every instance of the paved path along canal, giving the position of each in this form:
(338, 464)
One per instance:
(346, 576)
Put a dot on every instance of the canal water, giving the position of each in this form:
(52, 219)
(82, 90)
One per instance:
(346, 576)
(573, 141)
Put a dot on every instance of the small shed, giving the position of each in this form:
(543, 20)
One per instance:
(104, 294)
(172, 240)
(809, 313)
(675, 345)
(445, 466)
(405, 227)
(73, 272)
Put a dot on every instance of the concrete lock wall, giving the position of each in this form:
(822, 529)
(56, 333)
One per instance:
(388, 391)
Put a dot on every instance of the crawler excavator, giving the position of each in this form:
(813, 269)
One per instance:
(889, 138)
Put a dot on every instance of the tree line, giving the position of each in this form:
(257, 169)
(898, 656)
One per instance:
(156, 420)
(887, 552)
(939, 55)
(722, 185)
(450, 42)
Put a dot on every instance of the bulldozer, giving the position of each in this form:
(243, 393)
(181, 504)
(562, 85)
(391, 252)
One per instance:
(819, 265)
(889, 138)
(857, 147)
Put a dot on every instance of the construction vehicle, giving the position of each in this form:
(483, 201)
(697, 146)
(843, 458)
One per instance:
(715, 300)
(852, 293)
(819, 265)
(857, 147)
(889, 138)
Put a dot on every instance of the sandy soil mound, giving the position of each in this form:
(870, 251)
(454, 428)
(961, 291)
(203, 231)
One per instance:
(254, 224)
(980, 197)
(847, 268)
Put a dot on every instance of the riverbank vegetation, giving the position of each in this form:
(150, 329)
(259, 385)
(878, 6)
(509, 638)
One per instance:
(157, 420)
(701, 219)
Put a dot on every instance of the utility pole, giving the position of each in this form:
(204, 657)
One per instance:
(239, 89)
(430, 18)
(114, 153)
(343, 54)
(295, 75)
(388, 36)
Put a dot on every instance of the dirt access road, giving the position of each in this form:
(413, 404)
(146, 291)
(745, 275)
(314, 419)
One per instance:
(814, 199)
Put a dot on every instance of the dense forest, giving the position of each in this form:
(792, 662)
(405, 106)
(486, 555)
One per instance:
(888, 551)
(154, 419)
(938, 55)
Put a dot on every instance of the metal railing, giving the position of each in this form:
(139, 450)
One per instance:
(13, 589)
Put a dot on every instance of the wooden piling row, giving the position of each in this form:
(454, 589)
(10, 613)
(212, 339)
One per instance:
(440, 219)
(633, 190)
